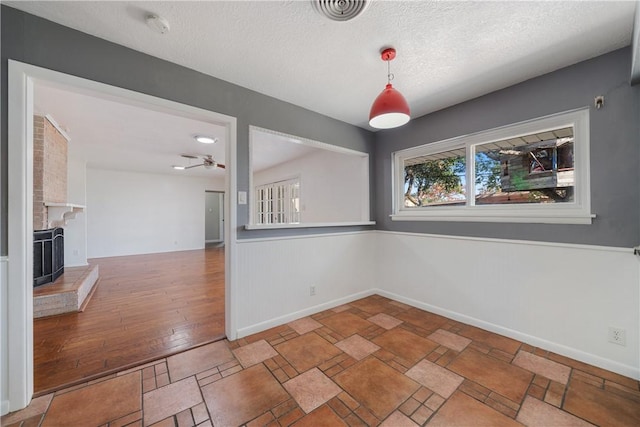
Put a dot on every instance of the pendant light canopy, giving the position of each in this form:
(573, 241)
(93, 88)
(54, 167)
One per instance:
(390, 109)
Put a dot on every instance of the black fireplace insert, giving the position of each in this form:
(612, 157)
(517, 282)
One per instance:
(48, 255)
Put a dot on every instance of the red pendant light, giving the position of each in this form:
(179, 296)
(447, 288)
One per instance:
(390, 109)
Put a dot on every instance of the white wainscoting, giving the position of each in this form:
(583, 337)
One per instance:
(274, 276)
(4, 369)
(560, 297)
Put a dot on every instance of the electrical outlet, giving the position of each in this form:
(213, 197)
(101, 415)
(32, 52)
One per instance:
(312, 290)
(617, 336)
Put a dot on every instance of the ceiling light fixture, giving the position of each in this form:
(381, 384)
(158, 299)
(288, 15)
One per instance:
(178, 167)
(390, 109)
(205, 139)
(158, 23)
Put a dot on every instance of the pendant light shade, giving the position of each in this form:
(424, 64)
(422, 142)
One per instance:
(390, 109)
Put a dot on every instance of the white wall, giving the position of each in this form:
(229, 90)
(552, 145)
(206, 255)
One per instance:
(135, 213)
(334, 187)
(75, 231)
(560, 297)
(4, 350)
(274, 276)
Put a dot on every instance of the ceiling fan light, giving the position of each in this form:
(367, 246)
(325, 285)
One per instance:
(389, 110)
(205, 139)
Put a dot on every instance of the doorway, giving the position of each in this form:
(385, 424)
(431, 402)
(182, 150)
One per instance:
(214, 218)
(19, 308)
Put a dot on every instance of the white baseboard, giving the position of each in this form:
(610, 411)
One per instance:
(262, 326)
(77, 265)
(626, 370)
(4, 407)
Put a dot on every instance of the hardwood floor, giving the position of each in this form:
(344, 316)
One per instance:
(145, 307)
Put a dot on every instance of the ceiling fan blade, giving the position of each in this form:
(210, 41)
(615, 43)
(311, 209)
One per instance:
(194, 166)
(220, 165)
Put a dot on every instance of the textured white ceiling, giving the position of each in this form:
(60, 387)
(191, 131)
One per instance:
(113, 134)
(270, 149)
(448, 51)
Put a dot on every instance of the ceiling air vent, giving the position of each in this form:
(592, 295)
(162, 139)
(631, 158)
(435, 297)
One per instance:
(340, 10)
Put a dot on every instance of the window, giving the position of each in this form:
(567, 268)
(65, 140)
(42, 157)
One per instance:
(435, 180)
(536, 168)
(535, 171)
(278, 202)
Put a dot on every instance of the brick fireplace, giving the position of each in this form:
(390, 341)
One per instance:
(49, 187)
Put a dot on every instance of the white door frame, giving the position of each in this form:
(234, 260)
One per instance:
(222, 215)
(19, 315)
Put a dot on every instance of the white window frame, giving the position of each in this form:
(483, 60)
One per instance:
(289, 216)
(576, 212)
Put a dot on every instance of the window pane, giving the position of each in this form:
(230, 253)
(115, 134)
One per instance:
(435, 180)
(535, 168)
(294, 207)
(294, 199)
(278, 216)
(260, 205)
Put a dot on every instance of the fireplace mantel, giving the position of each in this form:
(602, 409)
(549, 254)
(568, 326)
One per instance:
(60, 213)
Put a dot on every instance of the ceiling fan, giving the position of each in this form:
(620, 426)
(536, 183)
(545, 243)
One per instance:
(207, 162)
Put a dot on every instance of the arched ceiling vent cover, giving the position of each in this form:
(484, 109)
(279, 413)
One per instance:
(340, 10)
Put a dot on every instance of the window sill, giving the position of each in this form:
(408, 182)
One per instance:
(306, 225)
(530, 218)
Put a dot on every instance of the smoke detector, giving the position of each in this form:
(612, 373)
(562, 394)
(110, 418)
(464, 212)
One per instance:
(157, 23)
(340, 10)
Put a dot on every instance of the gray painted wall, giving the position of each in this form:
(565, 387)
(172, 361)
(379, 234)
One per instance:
(39, 42)
(615, 152)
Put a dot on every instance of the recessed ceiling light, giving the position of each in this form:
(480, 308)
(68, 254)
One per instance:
(178, 167)
(205, 139)
(158, 23)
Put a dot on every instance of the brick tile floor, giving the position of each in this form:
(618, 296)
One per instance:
(371, 362)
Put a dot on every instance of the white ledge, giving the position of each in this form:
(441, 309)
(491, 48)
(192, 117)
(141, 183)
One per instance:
(306, 225)
(531, 219)
(60, 213)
